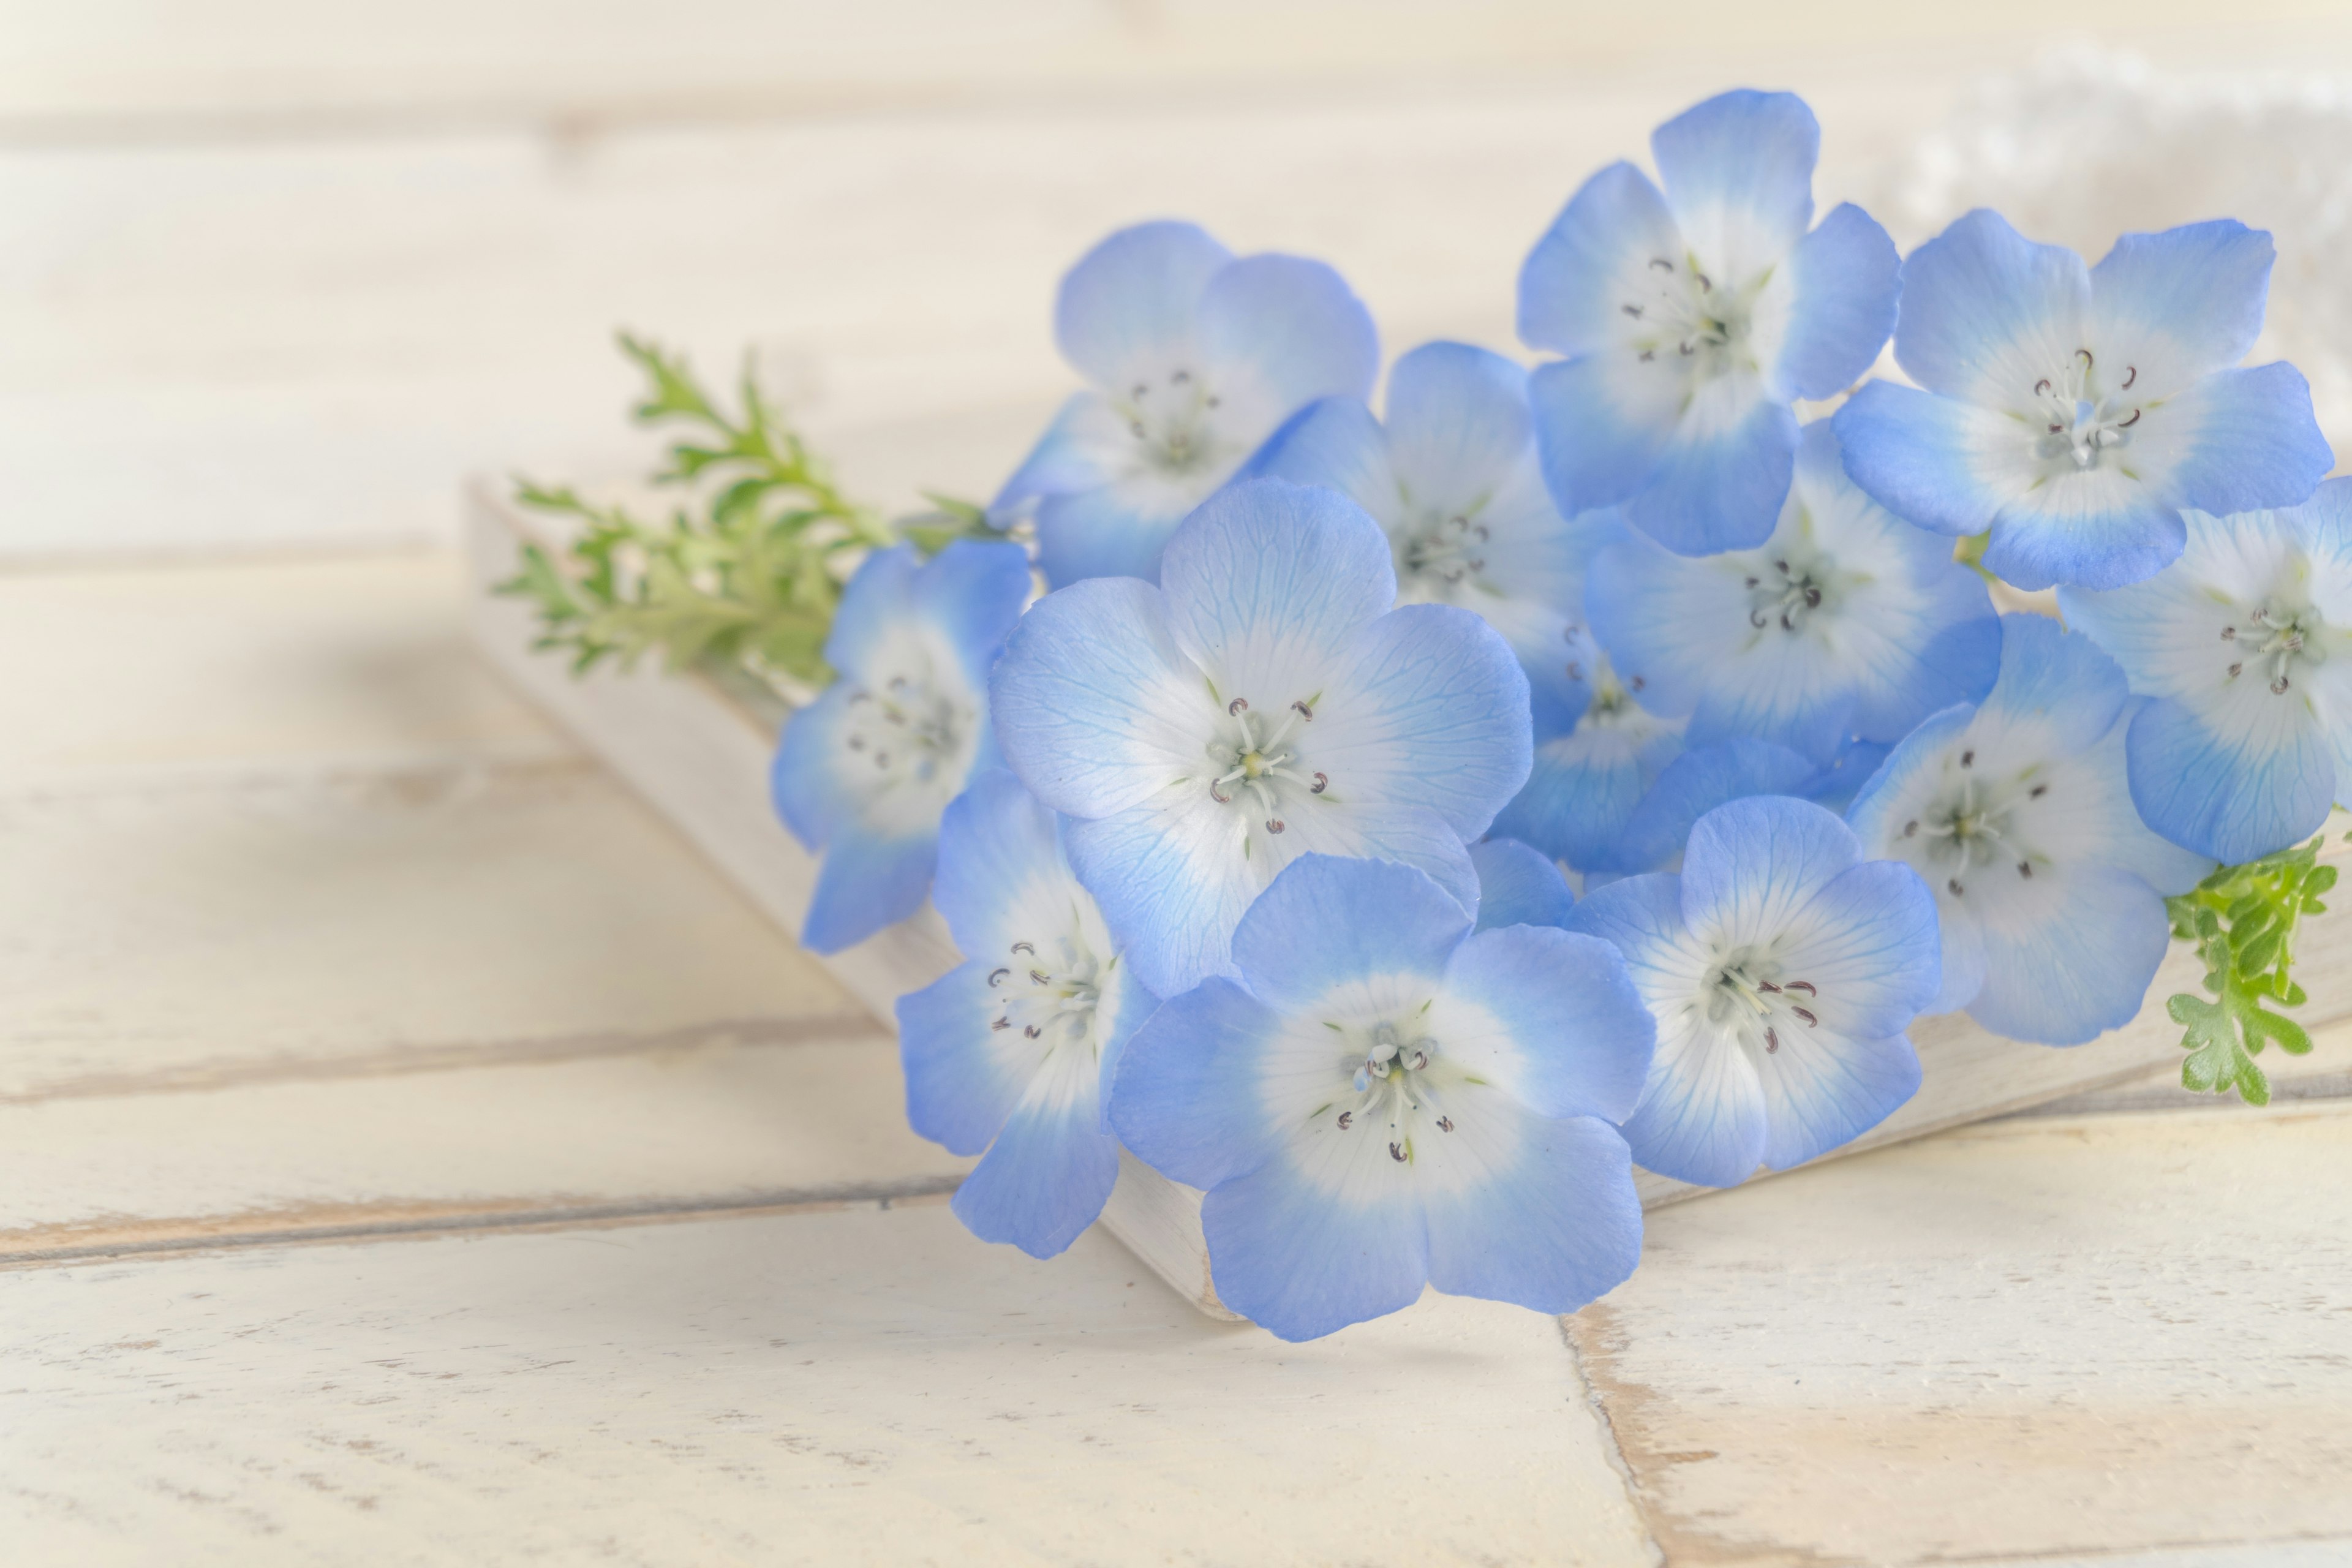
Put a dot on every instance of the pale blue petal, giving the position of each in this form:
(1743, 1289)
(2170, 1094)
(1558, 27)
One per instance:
(1739, 173)
(1887, 788)
(973, 591)
(1110, 531)
(1844, 276)
(1601, 422)
(2098, 546)
(1704, 1119)
(2060, 681)
(1957, 660)
(809, 791)
(1561, 1227)
(1574, 280)
(1301, 1263)
(1692, 785)
(1185, 1097)
(1822, 1090)
(1752, 864)
(1132, 300)
(959, 1090)
(1336, 442)
(1911, 452)
(1963, 961)
(1084, 698)
(1291, 327)
(2232, 802)
(1125, 1007)
(865, 883)
(1579, 792)
(1869, 944)
(1043, 1181)
(1518, 885)
(1326, 921)
(1983, 306)
(2256, 445)
(1719, 486)
(995, 839)
(1458, 423)
(1064, 460)
(1584, 1036)
(1430, 709)
(2076, 960)
(877, 595)
(2183, 302)
(1266, 573)
(1835, 786)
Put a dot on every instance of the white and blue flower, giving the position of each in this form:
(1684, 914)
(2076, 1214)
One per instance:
(1382, 1100)
(2075, 411)
(1263, 701)
(1846, 622)
(1693, 319)
(864, 772)
(1690, 787)
(1454, 479)
(1584, 785)
(1782, 968)
(1013, 1051)
(1518, 885)
(2049, 890)
(2245, 645)
(1193, 358)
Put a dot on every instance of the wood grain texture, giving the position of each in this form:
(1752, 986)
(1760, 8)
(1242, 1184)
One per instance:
(831, 1388)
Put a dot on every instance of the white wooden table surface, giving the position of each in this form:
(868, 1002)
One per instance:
(411, 1153)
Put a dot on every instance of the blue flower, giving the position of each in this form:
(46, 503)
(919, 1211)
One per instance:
(1013, 1051)
(1584, 785)
(864, 772)
(1383, 1100)
(2075, 412)
(2049, 890)
(1257, 705)
(1690, 787)
(1518, 885)
(2245, 644)
(1454, 481)
(1693, 319)
(1782, 968)
(1194, 359)
(1847, 621)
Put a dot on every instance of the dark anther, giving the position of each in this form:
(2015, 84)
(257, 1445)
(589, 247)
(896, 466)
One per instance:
(1705, 286)
(996, 977)
(1637, 683)
(2041, 386)
(1753, 581)
(1140, 388)
(1767, 985)
(1180, 378)
(1419, 1061)
(1686, 349)
(1396, 1154)
(1038, 977)
(1955, 885)
(1238, 705)
(1812, 598)
(1484, 535)
(1632, 310)
(2278, 687)
(856, 743)
(1135, 428)
(1220, 799)
(1911, 828)
(1322, 781)
(2133, 420)
(1347, 1120)
(1810, 1022)
(2235, 669)
(1772, 1040)
(1002, 1023)
(1648, 354)
(1804, 986)
(1781, 567)
(1301, 708)
(2057, 429)
(1215, 401)
(1033, 1031)
(1755, 619)
(860, 696)
(2084, 355)
(2025, 869)
(1968, 758)
(1024, 947)
(2263, 614)
(1575, 669)
(1784, 622)
(1445, 1125)
(881, 759)
(2228, 634)
(2037, 792)
(1274, 825)
(1662, 264)
(2131, 373)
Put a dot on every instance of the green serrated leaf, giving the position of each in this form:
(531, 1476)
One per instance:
(2243, 919)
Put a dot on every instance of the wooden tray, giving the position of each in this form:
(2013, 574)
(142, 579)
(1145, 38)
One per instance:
(699, 754)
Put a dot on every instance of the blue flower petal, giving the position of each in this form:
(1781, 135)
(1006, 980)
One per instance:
(1722, 477)
(2074, 959)
(1703, 1119)
(2254, 444)
(1752, 864)
(1266, 576)
(1869, 944)
(1985, 313)
(1576, 276)
(1914, 453)
(1457, 422)
(1843, 278)
(1578, 1035)
(2178, 304)
(1557, 1227)
(1739, 173)
(1067, 457)
(1326, 921)
(1299, 1261)
(1185, 1097)
(2059, 683)
(1518, 885)
(1582, 787)
(1289, 331)
(1115, 530)
(2094, 544)
(1335, 442)
(2234, 802)
(810, 793)
(1085, 694)
(995, 840)
(973, 591)
(1838, 781)
(959, 1090)
(1692, 785)
(1822, 1090)
(1044, 1179)
(1603, 423)
(876, 597)
(866, 882)
(1130, 301)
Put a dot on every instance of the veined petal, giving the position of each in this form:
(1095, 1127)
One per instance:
(1752, 864)
(2177, 304)
(1045, 1177)
(2241, 440)
(2057, 692)
(1335, 442)
(1458, 423)
(1559, 1024)
(999, 850)
(2237, 799)
(1325, 921)
(1868, 943)
(1186, 1097)
(1518, 885)
(1550, 1226)
(1702, 1117)
(1985, 314)
(1267, 578)
(867, 881)
(2099, 529)
(2069, 955)
(1285, 331)
(1641, 918)
(1090, 696)
(1836, 782)
(1303, 1250)
(1843, 282)
(1926, 458)
(961, 1081)
(1130, 301)
(1593, 259)
(1723, 474)
(1584, 786)
(1738, 174)
(1603, 423)
(1115, 530)
(1692, 785)
(1822, 1090)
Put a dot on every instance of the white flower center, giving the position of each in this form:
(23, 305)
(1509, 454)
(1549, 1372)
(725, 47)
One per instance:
(2275, 645)
(1786, 589)
(1746, 995)
(1049, 992)
(1174, 424)
(1973, 825)
(1681, 314)
(1611, 705)
(1261, 768)
(1435, 559)
(2079, 420)
(1389, 1093)
(909, 731)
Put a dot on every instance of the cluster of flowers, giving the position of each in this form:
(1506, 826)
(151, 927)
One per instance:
(1252, 827)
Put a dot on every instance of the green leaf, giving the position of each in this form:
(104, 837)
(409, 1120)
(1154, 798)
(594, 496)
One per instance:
(2243, 919)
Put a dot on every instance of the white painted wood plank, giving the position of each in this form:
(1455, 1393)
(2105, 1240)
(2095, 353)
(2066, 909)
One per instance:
(2039, 1338)
(844, 1388)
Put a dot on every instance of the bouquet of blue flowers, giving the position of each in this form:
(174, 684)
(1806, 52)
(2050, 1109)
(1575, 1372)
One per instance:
(1398, 826)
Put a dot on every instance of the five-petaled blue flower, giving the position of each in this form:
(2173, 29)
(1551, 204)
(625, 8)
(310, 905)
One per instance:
(1694, 318)
(864, 772)
(2245, 644)
(2077, 411)
(1454, 481)
(1782, 968)
(1263, 701)
(2049, 890)
(1013, 1051)
(1194, 358)
(1518, 885)
(1847, 621)
(1383, 1100)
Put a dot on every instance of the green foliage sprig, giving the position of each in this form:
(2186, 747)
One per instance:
(2242, 919)
(747, 573)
